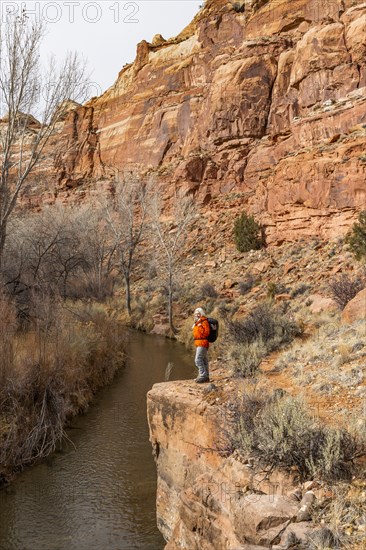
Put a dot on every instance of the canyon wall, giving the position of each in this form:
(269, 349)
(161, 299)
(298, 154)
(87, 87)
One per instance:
(264, 101)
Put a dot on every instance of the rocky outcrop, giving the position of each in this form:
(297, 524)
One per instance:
(207, 499)
(264, 99)
(355, 310)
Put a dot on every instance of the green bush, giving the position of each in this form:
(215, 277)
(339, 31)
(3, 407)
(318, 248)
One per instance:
(356, 238)
(248, 234)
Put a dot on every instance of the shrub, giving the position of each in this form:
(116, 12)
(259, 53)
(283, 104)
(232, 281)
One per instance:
(88, 286)
(226, 309)
(300, 290)
(54, 371)
(323, 539)
(239, 7)
(246, 358)
(267, 324)
(208, 291)
(344, 288)
(264, 330)
(248, 234)
(247, 285)
(280, 434)
(356, 238)
(274, 288)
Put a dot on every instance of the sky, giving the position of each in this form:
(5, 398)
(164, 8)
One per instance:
(105, 32)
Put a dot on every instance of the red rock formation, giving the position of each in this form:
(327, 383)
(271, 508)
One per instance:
(266, 99)
(204, 499)
(355, 310)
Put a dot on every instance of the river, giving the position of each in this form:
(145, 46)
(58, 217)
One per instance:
(98, 493)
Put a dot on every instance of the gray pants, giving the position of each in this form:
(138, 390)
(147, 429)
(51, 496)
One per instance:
(201, 361)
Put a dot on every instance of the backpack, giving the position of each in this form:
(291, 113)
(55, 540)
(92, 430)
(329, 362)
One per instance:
(214, 329)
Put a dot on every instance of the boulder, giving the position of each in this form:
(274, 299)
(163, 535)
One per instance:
(295, 534)
(228, 283)
(259, 519)
(158, 40)
(355, 310)
(310, 485)
(211, 263)
(262, 266)
(306, 506)
(321, 303)
(289, 266)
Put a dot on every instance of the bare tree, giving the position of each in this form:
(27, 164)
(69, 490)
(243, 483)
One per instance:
(28, 90)
(127, 216)
(99, 252)
(60, 251)
(171, 239)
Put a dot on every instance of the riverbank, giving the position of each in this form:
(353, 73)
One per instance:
(99, 492)
(50, 372)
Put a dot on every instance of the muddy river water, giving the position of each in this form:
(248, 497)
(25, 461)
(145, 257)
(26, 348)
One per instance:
(99, 492)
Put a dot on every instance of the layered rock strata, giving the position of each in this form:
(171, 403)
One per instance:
(264, 99)
(205, 499)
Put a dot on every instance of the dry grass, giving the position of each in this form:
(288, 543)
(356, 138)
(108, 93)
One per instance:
(8, 327)
(49, 374)
(253, 337)
(345, 514)
(244, 359)
(328, 368)
(330, 342)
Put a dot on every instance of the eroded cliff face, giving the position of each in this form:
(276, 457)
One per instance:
(207, 500)
(264, 99)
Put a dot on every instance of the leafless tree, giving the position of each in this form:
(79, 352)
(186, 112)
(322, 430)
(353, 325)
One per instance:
(60, 251)
(99, 251)
(126, 216)
(29, 90)
(171, 238)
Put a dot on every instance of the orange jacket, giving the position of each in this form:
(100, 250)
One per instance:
(201, 330)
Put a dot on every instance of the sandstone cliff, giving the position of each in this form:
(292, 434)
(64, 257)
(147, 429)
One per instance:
(264, 99)
(205, 500)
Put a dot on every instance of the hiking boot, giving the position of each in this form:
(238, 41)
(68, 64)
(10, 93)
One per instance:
(202, 379)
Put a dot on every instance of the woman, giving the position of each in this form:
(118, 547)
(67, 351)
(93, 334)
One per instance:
(201, 331)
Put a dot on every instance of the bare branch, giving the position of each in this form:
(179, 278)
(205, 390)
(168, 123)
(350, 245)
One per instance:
(171, 239)
(27, 90)
(126, 218)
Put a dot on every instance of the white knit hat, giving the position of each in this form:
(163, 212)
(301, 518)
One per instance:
(200, 311)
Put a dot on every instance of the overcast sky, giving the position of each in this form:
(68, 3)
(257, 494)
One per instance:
(106, 32)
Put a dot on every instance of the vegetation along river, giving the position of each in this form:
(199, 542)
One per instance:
(98, 493)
